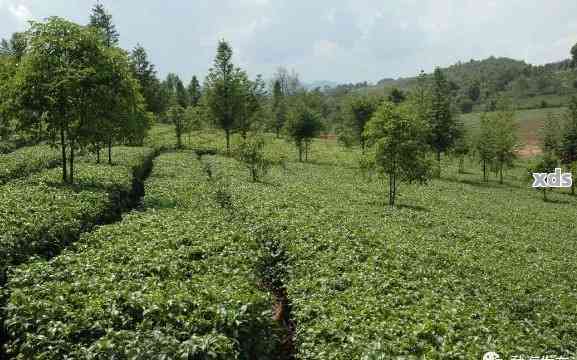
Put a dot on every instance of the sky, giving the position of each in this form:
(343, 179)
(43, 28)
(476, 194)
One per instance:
(336, 40)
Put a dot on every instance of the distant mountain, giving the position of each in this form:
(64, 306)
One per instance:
(477, 83)
(319, 84)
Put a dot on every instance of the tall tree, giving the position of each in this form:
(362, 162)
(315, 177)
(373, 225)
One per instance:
(101, 20)
(222, 90)
(302, 126)
(362, 109)
(289, 81)
(66, 76)
(145, 73)
(279, 107)
(399, 140)
(181, 93)
(252, 97)
(442, 119)
(194, 91)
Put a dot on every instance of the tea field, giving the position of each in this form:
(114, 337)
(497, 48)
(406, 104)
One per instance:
(309, 263)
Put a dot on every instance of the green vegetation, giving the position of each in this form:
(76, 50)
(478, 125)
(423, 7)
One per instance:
(40, 216)
(193, 245)
(170, 281)
(27, 160)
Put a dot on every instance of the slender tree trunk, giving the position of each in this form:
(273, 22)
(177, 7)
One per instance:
(277, 132)
(392, 186)
(438, 164)
(110, 151)
(461, 165)
(501, 173)
(485, 170)
(227, 132)
(64, 163)
(71, 161)
(306, 151)
(300, 146)
(98, 154)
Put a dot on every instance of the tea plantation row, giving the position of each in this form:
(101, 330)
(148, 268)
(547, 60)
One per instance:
(458, 270)
(40, 216)
(26, 161)
(174, 281)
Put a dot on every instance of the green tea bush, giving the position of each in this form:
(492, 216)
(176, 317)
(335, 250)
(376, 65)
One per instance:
(457, 270)
(27, 160)
(40, 216)
(167, 282)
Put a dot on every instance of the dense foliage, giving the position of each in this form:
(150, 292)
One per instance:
(173, 281)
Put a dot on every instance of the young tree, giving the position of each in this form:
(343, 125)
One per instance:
(485, 144)
(362, 109)
(222, 90)
(462, 146)
(302, 126)
(568, 146)
(399, 139)
(551, 135)
(279, 107)
(251, 153)
(546, 164)
(397, 96)
(505, 131)
(194, 92)
(442, 119)
(101, 20)
(177, 115)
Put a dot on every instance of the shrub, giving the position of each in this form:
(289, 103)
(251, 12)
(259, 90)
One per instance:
(251, 153)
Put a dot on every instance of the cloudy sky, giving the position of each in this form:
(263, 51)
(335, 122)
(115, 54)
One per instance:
(337, 40)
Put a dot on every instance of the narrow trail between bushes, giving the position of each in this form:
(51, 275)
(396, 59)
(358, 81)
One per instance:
(269, 269)
(121, 203)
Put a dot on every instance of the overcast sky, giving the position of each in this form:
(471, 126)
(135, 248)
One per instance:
(337, 40)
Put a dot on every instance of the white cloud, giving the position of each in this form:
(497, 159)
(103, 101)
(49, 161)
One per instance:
(18, 10)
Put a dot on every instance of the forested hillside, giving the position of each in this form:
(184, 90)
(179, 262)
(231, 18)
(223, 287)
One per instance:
(477, 83)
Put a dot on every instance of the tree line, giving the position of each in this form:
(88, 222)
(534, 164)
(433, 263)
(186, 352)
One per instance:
(73, 86)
